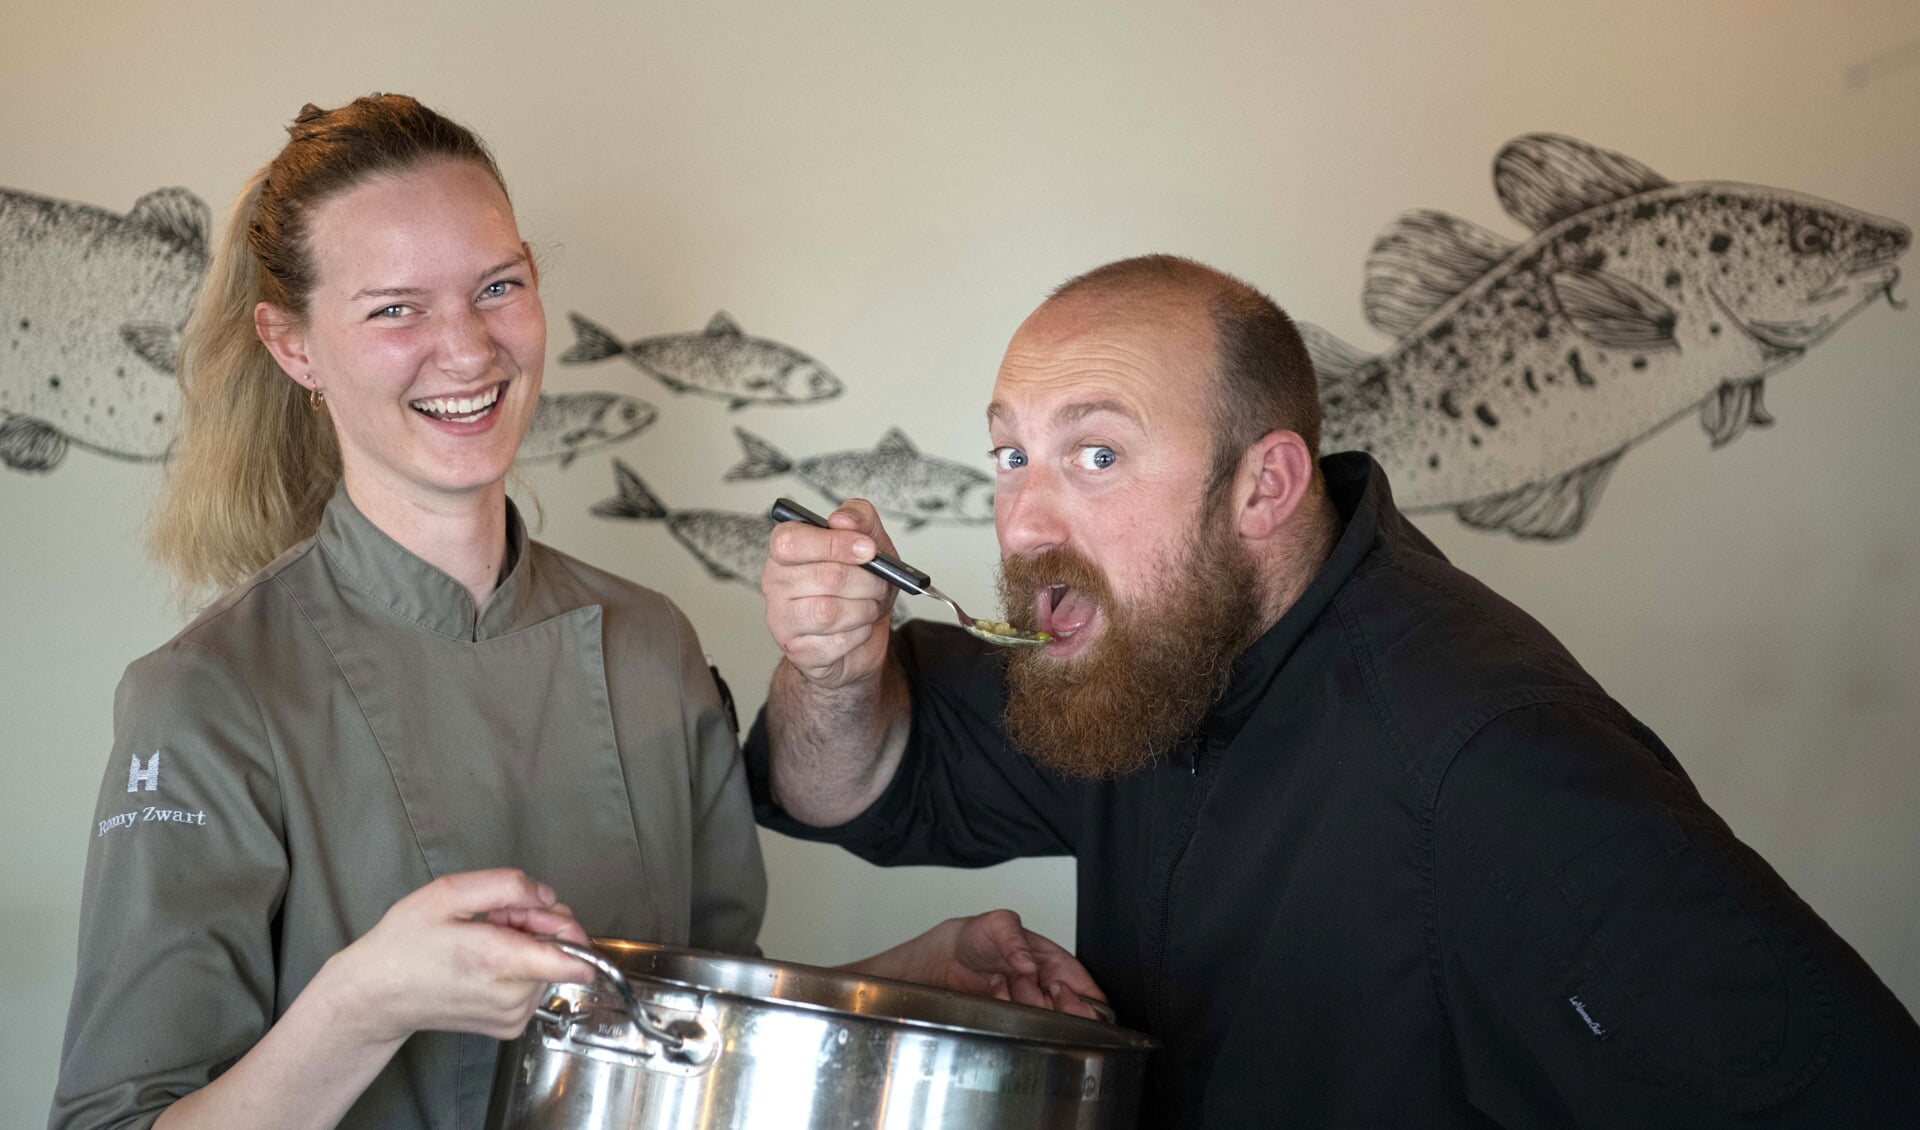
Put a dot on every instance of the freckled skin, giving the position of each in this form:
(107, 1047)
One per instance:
(1577, 400)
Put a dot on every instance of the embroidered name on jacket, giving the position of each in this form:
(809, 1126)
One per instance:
(152, 815)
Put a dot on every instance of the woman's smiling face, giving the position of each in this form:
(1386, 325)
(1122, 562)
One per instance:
(424, 331)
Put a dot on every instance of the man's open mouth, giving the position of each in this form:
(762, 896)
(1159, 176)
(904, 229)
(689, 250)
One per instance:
(1062, 610)
(460, 409)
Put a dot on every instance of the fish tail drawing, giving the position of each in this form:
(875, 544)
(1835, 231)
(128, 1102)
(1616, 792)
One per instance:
(762, 460)
(27, 444)
(593, 343)
(632, 498)
(1353, 383)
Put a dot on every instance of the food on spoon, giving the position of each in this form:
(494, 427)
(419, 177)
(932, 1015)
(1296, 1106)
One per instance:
(1002, 628)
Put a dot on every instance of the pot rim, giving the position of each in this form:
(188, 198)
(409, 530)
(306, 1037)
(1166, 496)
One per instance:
(1026, 1024)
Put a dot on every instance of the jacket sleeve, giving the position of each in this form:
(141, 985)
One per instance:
(186, 868)
(729, 877)
(1610, 954)
(962, 796)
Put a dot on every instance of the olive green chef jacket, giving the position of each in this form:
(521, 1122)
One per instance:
(344, 728)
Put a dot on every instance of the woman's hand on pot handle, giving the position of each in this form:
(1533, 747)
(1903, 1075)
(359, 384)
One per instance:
(994, 955)
(460, 954)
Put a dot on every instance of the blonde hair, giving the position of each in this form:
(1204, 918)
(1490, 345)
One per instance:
(255, 464)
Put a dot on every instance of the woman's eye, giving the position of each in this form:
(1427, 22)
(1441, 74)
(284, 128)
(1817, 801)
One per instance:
(499, 289)
(1008, 458)
(1096, 457)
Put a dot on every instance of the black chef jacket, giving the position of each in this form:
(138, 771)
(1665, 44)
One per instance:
(1417, 869)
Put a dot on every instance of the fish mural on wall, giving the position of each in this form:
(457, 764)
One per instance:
(720, 361)
(899, 481)
(1523, 371)
(91, 305)
(566, 423)
(91, 308)
(732, 545)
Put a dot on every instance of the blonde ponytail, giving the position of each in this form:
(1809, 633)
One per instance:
(254, 465)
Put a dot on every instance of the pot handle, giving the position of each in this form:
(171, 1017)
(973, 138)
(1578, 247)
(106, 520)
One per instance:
(611, 973)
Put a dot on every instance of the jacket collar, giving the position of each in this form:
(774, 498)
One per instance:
(372, 562)
(1358, 487)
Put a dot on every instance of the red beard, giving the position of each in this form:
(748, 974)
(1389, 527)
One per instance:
(1157, 668)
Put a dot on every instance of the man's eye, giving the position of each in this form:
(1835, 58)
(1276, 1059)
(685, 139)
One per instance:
(1096, 457)
(1008, 458)
(398, 309)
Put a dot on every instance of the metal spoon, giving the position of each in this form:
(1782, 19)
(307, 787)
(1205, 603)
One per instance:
(912, 581)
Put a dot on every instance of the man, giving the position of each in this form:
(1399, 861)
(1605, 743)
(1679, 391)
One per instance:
(1357, 840)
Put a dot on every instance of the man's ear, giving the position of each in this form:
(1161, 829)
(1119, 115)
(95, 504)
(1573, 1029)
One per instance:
(1274, 475)
(286, 338)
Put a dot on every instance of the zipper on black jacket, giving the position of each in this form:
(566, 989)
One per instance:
(1203, 758)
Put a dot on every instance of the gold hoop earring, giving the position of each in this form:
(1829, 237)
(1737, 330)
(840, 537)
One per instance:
(315, 397)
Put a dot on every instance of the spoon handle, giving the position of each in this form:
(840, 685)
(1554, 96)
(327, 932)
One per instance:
(888, 568)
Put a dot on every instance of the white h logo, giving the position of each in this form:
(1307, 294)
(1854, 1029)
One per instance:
(151, 774)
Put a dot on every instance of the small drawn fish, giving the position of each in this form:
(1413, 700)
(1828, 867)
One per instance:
(732, 545)
(894, 476)
(1523, 371)
(566, 423)
(720, 362)
(91, 305)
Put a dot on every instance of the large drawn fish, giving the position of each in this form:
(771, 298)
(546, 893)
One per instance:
(894, 476)
(719, 361)
(1523, 371)
(91, 305)
(732, 545)
(566, 423)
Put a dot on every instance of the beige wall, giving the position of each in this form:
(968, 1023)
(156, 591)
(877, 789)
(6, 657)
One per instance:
(890, 188)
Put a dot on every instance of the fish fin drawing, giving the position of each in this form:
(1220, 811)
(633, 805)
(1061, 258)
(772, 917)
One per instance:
(1774, 347)
(1548, 511)
(1421, 261)
(176, 214)
(1543, 178)
(27, 444)
(763, 460)
(913, 523)
(592, 344)
(1734, 407)
(896, 441)
(1608, 310)
(633, 499)
(1351, 382)
(157, 344)
(567, 459)
(717, 571)
(738, 403)
(722, 326)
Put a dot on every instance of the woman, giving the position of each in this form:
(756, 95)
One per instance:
(342, 801)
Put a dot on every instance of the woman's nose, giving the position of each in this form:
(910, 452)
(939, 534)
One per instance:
(466, 348)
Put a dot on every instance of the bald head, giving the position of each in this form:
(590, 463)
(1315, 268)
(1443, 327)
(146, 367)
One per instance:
(1262, 378)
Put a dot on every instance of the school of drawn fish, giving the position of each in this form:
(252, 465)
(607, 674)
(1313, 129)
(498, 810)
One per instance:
(1520, 372)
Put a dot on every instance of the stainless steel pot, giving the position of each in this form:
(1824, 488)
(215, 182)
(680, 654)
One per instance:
(682, 1039)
